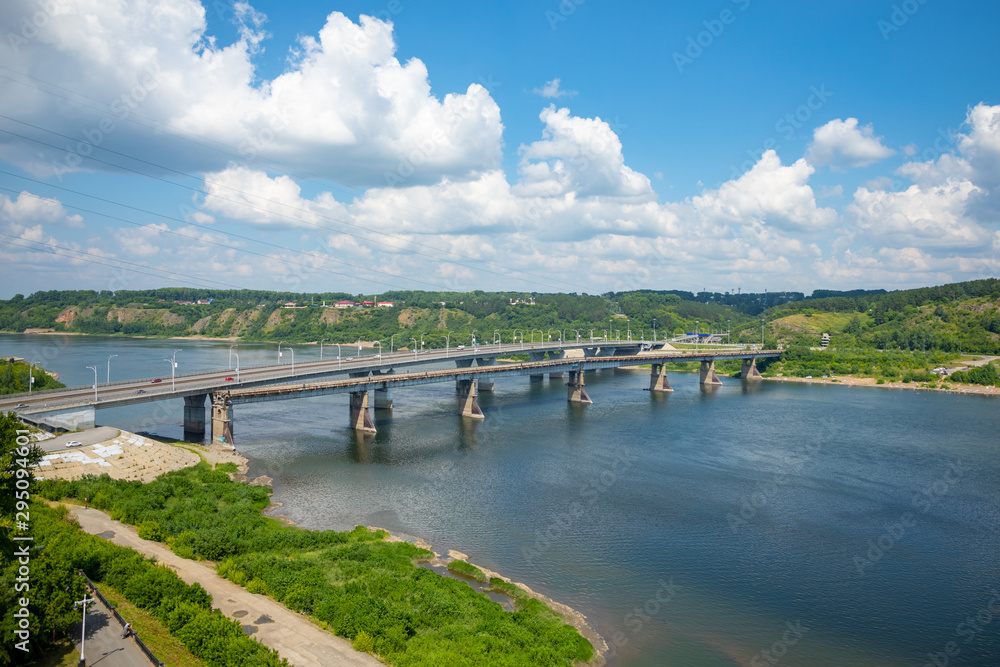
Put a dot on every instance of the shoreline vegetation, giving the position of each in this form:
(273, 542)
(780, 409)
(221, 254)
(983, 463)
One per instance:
(364, 585)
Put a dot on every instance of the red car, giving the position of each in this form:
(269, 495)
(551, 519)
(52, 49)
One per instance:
(156, 380)
(229, 379)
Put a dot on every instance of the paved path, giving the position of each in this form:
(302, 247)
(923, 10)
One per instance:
(104, 644)
(296, 638)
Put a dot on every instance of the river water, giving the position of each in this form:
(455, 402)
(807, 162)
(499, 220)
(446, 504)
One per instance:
(822, 525)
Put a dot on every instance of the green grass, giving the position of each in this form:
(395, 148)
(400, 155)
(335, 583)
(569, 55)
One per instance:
(63, 654)
(154, 634)
(512, 591)
(466, 570)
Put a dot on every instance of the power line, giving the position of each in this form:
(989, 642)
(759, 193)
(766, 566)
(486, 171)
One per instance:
(195, 224)
(164, 128)
(215, 243)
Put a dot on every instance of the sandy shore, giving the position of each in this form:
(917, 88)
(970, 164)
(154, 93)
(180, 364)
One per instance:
(852, 381)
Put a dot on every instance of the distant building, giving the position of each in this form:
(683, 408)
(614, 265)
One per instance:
(385, 304)
(368, 304)
(825, 340)
(344, 304)
(204, 302)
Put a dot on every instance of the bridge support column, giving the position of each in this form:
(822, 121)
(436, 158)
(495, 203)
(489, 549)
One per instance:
(577, 392)
(708, 375)
(658, 379)
(383, 399)
(468, 405)
(750, 371)
(361, 419)
(222, 420)
(556, 354)
(194, 415)
(484, 383)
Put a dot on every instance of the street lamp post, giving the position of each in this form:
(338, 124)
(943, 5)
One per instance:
(279, 350)
(654, 329)
(83, 628)
(541, 335)
(237, 366)
(390, 342)
(292, 350)
(109, 366)
(628, 328)
(31, 378)
(94, 368)
(696, 323)
(513, 338)
(447, 344)
(729, 340)
(762, 333)
(379, 343)
(173, 366)
(321, 348)
(340, 359)
(231, 355)
(414, 346)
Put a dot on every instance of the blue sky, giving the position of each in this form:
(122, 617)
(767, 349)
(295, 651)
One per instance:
(547, 146)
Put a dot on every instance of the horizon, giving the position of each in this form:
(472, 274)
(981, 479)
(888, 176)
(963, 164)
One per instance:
(569, 147)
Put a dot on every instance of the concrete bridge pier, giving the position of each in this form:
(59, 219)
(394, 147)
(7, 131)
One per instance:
(361, 419)
(556, 354)
(577, 392)
(383, 399)
(484, 383)
(194, 415)
(222, 420)
(658, 379)
(708, 376)
(750, 371)
(468, 405)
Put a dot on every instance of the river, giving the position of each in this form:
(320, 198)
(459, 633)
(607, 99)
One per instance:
(756, 523)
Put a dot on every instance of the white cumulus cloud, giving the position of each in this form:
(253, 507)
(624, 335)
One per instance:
(842, 143)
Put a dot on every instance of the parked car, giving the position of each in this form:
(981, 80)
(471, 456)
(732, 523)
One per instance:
(155, 380)
(73, 443)
(229, 379)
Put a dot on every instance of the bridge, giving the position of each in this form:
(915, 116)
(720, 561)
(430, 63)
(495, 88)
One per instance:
(378, 375)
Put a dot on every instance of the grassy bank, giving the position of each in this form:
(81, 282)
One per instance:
(355, 583)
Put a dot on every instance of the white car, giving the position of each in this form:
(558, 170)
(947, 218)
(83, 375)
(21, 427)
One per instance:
(20, 406)
(73, 443)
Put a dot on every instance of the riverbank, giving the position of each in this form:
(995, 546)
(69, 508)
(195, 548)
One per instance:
(854, 381)
(133, 457)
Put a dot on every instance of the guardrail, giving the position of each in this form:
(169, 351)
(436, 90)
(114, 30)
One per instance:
(121, 621)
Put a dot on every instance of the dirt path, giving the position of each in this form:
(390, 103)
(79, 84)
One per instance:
(296, 638)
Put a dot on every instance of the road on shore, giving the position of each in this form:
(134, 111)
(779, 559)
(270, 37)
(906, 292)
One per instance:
(293, 636)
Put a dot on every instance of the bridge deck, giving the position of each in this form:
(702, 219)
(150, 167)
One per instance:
(412, 378)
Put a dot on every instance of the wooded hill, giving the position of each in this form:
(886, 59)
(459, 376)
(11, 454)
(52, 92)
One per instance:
(959, 316)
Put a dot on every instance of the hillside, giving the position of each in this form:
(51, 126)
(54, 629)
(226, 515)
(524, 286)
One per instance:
(961, 317)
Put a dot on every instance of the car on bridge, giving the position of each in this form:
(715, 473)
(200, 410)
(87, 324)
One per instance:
(155, 380)
(140, 391)
(228, 379)
(20, 406)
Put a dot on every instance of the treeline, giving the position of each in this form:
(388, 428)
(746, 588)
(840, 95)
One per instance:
(16, 375)
(354, 583)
